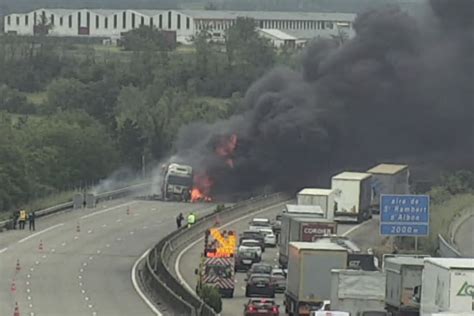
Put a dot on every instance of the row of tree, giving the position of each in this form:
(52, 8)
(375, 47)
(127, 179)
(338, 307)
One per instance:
(102, 113)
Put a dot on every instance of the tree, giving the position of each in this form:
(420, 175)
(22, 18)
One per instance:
(13, 101)
(211, 296)
(146, 38)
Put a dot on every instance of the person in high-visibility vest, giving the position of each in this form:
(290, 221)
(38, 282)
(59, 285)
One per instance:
(191, 219)
(22, 219)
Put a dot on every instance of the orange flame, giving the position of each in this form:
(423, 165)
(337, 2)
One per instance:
(202, 188)
(226, 148)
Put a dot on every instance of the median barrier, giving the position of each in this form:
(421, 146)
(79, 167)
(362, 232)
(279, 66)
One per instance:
(446, 250)
(99, 197)
(158, 275)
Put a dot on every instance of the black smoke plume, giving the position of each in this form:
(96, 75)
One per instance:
(401, 90)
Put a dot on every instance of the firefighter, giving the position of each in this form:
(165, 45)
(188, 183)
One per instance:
(191, 219)
(23, 218)
(31, 220)
(179, 220)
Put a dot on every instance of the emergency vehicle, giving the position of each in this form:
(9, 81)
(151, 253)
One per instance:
(217, 265)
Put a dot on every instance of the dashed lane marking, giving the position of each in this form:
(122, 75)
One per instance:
(108, 209)
(3, 250)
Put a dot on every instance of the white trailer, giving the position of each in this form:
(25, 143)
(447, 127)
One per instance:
(352, 196)
(447, 286)
(358, 292)
(388, 179)
(309, 275)
(323, 198)
(403, 278)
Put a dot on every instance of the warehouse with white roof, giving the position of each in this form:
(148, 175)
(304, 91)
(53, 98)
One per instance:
(186, 23)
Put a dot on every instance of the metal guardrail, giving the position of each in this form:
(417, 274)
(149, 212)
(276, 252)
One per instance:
(99, 197)
(446, 250)
(447, 246)
(157, 277)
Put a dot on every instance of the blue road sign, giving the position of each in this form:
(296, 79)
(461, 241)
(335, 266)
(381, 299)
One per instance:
(404, 215)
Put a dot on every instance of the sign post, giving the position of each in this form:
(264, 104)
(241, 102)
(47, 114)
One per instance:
(405, 215)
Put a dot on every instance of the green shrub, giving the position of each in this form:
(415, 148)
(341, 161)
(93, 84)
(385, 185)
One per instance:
(211, 296)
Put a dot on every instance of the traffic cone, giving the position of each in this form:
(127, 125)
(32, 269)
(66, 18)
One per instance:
(78, 228)
(18, 268)
(16, 312)
(40, 247)
(13, 287)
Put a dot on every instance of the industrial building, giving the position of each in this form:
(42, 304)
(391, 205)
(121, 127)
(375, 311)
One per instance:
(186, 24)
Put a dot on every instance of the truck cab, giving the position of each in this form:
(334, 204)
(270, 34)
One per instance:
(177, 182)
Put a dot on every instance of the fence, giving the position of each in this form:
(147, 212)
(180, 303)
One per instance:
(159, 280)
(99, 197)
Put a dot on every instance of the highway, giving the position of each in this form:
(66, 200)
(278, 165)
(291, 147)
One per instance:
(365, 234)
(86, 272)
(464, 237)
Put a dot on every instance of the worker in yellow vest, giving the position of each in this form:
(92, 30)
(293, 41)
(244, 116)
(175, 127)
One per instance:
(191, 219)
(22, 219)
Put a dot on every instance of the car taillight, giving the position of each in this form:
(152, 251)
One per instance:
(275, 310)
(252, 309)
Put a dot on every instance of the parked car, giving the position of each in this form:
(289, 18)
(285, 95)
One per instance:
(259, 223)
(251, 244)
(269, 237)
(261, 307)
(244, 259)
(260, 285)
(260, 268)
(253, 234)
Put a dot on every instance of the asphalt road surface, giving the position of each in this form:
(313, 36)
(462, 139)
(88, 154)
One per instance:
(86, 272)
(188, 263)
(464, 238)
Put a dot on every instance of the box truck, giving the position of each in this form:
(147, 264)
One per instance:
(352, 196)
(295, 227)
(313, 210)
(358, 292)
(309, 275)
(388, 179)
(447, 286)
(320, 197)
(403, 277)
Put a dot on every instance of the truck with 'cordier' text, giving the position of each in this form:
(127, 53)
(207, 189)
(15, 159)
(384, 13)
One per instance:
(309, 275)
(298, 227)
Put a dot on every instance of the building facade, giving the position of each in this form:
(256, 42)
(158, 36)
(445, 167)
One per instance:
(186, 23)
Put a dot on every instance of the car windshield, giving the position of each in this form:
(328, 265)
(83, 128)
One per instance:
(250, 243)
(260, 279)
(219, 270)
(262, 269)
(260, 224)
(263, 303)
(177, 180)
(247, 254)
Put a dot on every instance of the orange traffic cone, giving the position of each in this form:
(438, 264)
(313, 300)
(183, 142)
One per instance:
(13, 287)
(78, 228)
(18, 268)
(40, 247)
(17, 310)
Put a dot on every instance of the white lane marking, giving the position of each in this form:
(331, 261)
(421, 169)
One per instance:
(27, 282)
(53, 250)
(40, 232)
(28, 276)
(79, 277)
(30, 306)
(86, 298)
(107, 245)
(94, 313)
(354, 228)
(90, 258)
(137, 287)
(84, 264)
(90, 306)
(119, 239)
(76, 237)
(89, 231)
(32, 269)
(119, 220)
(243, 288)
(131, 233)
(104, 225)
(81, 270)
(37, 262)
(98, 252)
(28, 290)
(63, 244)
(178, 260)
(80, 284)
(44, 256)
(83, 291)
(3, 250)
(108, 209)
(29, 298)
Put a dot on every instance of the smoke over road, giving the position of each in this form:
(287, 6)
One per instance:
(402, 87)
